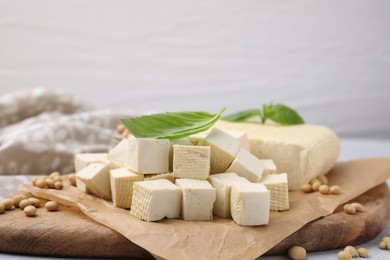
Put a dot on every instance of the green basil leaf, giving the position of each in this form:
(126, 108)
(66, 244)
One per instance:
(243, 115)
(171, 125)
(282, 114)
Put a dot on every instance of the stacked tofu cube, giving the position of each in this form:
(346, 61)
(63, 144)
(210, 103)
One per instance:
(191, 178)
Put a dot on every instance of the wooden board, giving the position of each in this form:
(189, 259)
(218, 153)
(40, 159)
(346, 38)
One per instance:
(69, 232)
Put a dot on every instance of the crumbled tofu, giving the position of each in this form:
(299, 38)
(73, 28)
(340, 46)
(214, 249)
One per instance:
(247, 165)
(250, 204)
(222, 183)
(155, 200)
(198, 199)
(191, 162)
(122, 181)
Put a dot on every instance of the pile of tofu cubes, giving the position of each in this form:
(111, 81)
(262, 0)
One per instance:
(191, 178)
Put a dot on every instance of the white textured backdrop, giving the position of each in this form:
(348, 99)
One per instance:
(328, 59)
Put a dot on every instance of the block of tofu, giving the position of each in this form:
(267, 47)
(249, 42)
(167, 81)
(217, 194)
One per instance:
(222, 183)
(303, 151)
(155, 200)
(191, 161)
(269, 166)
(224, 148)
(82, 160)
(96, 178)
(241, 136)
(148, 155)
(247, 165)
(180, 141)
(121, 181)
(278, 186)
(250, 204)
(198, 199)
(162, 176)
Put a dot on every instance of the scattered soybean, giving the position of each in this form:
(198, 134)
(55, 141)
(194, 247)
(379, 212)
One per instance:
(297, 253)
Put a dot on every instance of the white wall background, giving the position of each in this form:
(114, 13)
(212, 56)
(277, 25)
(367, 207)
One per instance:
(328, 59)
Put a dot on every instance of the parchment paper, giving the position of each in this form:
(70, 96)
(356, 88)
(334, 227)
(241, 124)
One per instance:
(222, 238)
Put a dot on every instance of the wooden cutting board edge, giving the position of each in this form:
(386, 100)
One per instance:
(39, 235)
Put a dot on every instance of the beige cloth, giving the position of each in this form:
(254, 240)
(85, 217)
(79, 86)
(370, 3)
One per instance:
(41, 129)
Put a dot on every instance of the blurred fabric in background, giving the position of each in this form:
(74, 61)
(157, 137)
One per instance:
(330, 60)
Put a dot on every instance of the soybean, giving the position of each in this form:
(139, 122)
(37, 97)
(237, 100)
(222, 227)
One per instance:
(383, 245)
(323, 179)
(40, 183)
(54, 174)
(307, 188)
(297, 252)
(350, 210)
(72, 179)
(35, 202)
(24, 203)
(351, 250)
(324, 189)
(316, 185)
(17, 199)
(357, 206)
(344, 255)
(51, 206)
(8, 203)
(58, 185)
(362, 252)
(30, 211)
(335, 189)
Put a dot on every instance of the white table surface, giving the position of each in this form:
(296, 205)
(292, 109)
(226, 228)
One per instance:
(350, 149)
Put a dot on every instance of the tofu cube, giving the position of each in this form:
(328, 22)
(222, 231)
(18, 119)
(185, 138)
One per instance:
(155, 200)
(224, 149)
(222, 183)
(121, 153)
(180, 141)
(81, 186)
(269, 166)
(96, 178)
(82, 160)
(241, 136)
(121, 181)
(198, 199)
(191, 162)
(148, 155)
(247, 165)
(250, 204)
(277, 184)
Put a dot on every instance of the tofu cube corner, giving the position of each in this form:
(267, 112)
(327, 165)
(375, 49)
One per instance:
(121, 181)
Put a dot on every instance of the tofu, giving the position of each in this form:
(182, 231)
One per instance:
(269, 166)
(198, 199)
(82, 160)
(121, 153)
(277, 184)
(191, 162)
(162, 176)
(222, 183)
(241, 136)
(224, 148)
(96, 177)
(247, 165)
(155, 200)
(81, 186)
(121, 181)
(180, 141)
(250, 204)
(302, 151)
(148, 155)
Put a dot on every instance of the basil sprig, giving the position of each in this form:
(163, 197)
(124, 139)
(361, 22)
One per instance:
(278, 113)
(171, 125)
